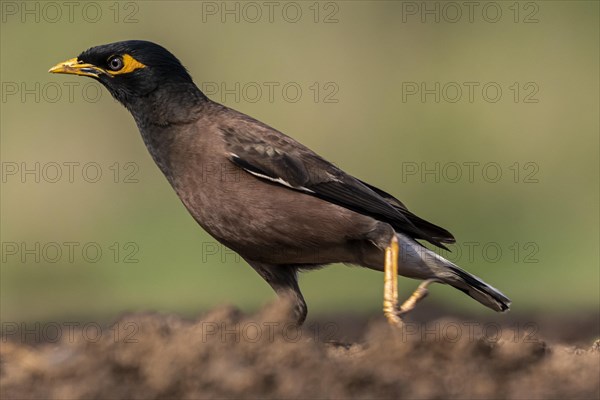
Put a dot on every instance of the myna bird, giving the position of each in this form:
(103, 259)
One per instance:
(278, 204)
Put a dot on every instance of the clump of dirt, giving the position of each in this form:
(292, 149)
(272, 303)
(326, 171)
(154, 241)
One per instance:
(225, 354)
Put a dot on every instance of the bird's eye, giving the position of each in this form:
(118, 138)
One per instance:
(115, 63)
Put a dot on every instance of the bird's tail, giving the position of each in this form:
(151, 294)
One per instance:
(423, 263)
(478, 289)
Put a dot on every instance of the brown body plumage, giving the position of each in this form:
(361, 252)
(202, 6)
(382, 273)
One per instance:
(274, 201)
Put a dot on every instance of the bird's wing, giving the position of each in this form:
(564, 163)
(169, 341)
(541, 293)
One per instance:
(436, 232)
(273, 156)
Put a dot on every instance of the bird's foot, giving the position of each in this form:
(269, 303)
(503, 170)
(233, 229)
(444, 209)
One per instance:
(419, 294)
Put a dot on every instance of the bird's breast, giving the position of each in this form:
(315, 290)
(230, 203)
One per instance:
(252, 216)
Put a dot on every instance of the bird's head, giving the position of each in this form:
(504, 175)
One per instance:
(130, 70)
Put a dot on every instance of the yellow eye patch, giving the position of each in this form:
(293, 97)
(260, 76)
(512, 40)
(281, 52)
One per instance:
(130, 64)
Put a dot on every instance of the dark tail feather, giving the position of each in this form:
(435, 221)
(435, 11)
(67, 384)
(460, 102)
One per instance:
(420, 262)
(479, 290)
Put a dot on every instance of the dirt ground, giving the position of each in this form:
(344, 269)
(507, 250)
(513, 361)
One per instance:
(225, 354)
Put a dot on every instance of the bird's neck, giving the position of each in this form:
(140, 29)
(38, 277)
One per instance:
(167, 105)
(164, 115)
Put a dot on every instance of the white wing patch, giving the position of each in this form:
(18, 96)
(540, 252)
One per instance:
(269, 178)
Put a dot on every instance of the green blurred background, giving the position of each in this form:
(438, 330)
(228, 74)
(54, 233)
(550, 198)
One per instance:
(544, 220)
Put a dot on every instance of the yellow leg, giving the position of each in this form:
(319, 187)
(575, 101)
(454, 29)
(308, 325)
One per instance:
(392, 312)
(390, 284)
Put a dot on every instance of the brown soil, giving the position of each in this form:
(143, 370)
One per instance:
(225, 354)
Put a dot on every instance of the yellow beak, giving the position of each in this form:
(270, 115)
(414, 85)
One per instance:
(76, 67)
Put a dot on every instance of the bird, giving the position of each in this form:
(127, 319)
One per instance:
(283, 208)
